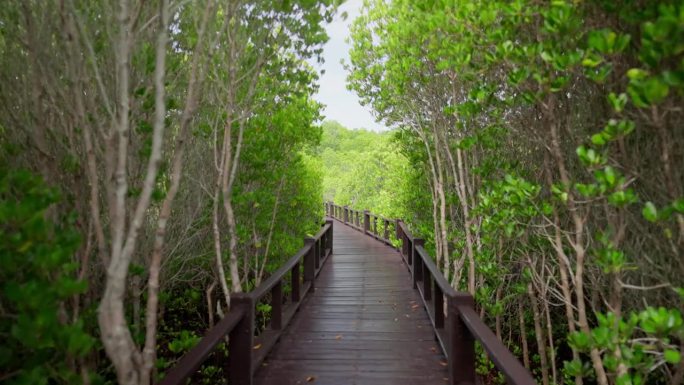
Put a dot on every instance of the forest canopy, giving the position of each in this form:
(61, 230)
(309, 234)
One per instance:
(158, 158)
(547, 138)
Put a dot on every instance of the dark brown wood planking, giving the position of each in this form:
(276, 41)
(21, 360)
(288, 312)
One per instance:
(364, 324)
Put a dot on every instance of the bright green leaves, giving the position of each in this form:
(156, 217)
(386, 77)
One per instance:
(661, 321)
(617, 102)
(589, 156)
(650, 212)
(184, 341)
(646, 90)
(580, 341)
(508, 204)
(576, 368)
(607, 179)
(517, 76)
(622, 198)
(620, 339)
(608, 257)
(672, 356)
(605, 41)
(559, 18)
(662, 37)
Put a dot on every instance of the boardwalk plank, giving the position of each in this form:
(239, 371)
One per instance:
(363, 324)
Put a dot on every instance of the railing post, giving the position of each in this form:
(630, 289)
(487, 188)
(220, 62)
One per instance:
(346, 214)
(310, 262)
(417, 262)
(366, 221)
(438, 303)
(241, 341)
(409, 251)
(461, 344)
(329, 235)
(427, 283)
(277, 306)
(385, 234)
(294, 283)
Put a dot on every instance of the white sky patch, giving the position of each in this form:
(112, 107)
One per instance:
(341, 104)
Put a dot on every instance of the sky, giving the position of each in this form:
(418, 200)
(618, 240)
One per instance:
(341, 104)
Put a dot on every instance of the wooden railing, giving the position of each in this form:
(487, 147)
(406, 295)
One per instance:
(376, 226)
(239, 323)
(454, 319)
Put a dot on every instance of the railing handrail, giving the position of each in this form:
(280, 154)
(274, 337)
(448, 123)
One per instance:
(239, 322)
(191, 362)
(464, 324)
(277, 276)
(437, 275)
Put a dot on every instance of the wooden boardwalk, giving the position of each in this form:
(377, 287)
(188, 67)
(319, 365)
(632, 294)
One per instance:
(364, 324)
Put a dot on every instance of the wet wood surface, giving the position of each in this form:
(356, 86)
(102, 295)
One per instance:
(364, 324)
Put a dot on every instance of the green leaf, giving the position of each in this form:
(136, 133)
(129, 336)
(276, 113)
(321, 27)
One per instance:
(672, 356)
(618, 102)
(598, 139)
(678, 205)
(579, 341)
(636, 74)
(650, 212)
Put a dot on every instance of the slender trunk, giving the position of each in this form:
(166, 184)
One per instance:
(578, 246)
(564, 269)
(523, 335)
(466, 213)
(439, 188)
(210, 304)
(260, 274)
(498, 315)
(436, 207)
(541, 344)
(549, 335)
(217, 249)
(116, 336)
(149, 350)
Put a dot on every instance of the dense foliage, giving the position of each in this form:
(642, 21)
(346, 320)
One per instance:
(363, 169)
(155, 158)
(549, 136)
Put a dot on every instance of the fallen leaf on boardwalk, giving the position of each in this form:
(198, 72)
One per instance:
(338, 337)
(443, 363)
(396, 319)
(415, 306)
(257, 346)
(434, 349)
(311, 379)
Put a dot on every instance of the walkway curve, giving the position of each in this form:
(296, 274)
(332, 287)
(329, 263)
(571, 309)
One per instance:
(363, 325)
